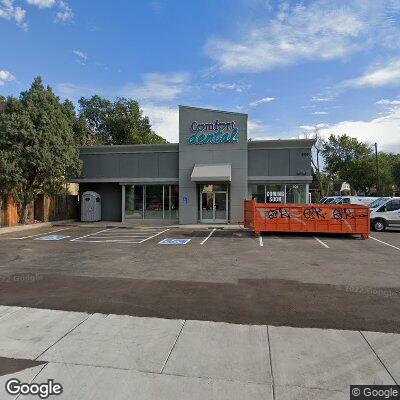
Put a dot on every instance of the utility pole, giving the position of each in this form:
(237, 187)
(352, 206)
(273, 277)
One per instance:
(378, 186)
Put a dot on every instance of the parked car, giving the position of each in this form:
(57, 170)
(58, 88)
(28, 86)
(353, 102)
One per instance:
(328, 200)
(361, 200)
(385, 212)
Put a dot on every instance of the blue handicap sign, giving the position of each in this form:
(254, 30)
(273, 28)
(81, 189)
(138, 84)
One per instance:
(175, 241)
(52, 237)
(185, 200)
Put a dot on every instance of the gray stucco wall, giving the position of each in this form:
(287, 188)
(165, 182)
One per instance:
(285, 160)
(130, 163)
(111, 200)
(190, 154)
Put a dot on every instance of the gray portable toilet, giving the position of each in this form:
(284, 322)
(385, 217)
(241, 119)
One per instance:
(90, 207)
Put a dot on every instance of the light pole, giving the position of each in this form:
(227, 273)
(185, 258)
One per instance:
(378, 188)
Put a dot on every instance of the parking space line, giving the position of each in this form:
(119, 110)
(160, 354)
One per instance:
(387, 244)
(91, 234)
(106, 241)
(208, 237)
(321, 242)
(39, 234)
(151, 237)
(260, 240)
(118, 237)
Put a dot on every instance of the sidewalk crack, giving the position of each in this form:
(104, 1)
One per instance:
(376, 354)
(270, 364)
(172, 348)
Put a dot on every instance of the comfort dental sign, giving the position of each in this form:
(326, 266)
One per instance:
(213, 132)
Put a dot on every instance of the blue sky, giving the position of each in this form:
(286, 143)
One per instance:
(293, 66)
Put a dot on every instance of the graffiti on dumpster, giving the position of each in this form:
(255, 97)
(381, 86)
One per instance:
(343, 213)
(277, 213)
(313, 213)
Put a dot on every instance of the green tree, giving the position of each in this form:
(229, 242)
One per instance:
(361, 174)
(396, 171)
(344, 158)
(120, 122)
(78, 125)
(37, 146)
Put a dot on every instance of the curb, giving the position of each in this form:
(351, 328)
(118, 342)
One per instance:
(110, 224)
(20, 228)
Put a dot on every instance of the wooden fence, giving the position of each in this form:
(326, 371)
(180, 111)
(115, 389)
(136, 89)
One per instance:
(8, 212)
(43, 209)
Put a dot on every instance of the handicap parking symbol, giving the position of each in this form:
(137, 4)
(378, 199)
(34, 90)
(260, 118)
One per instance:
(52, 237)
(174, 241)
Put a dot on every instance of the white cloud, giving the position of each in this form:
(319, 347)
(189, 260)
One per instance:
(164, 121)
(383, 75)
(313, 127)
(237, 87)
(321, 99)
(257, 130)
(74, 92)
(42, 3)
(80, 54)
(6, 76)
(383, 130)
(81, 57)
(386, 102)
(321, 30)
(158, 87)
(261, 101)
(65, 14)
(10, 12)
(320, 113)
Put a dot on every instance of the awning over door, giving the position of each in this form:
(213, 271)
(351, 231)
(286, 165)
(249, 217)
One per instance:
(211, 173)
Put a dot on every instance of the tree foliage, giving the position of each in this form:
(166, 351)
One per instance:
(353, 161)
(38, 146)
(396, 172)
(118, 122)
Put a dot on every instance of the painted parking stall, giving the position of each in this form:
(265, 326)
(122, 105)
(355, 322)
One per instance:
(122, 235)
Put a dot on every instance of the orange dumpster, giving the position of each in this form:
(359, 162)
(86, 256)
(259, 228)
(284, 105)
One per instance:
(318, 218)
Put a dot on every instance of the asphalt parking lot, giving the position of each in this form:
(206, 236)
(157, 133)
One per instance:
(323, 281)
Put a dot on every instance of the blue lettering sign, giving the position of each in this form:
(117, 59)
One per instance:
(220, 136)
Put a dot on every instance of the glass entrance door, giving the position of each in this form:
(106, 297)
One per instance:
(220, 207)
(214, 207)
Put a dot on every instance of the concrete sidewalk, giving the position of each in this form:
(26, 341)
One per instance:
(122, 357)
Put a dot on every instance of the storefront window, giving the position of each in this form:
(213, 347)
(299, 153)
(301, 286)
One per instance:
(222, 187)
(257, 192)
(275, 193)
(174, 204)
(134, 201)
(154, 202)
(171, 201)
(278, 193)
(295, 193)
(154, 198)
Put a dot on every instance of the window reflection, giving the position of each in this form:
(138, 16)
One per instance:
(278, 193)
(157, 202)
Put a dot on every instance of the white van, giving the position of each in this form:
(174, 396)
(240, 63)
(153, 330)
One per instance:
(361, 200)
(385, 212)
(328, 200)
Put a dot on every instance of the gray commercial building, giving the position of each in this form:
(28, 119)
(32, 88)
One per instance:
(202, 179)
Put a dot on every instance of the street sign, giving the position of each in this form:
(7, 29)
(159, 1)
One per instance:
(174, 241)
(52, 237)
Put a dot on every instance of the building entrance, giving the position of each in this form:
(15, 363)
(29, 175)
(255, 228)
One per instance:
(214, 203)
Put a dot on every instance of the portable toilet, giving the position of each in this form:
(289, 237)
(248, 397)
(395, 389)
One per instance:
(90, 207)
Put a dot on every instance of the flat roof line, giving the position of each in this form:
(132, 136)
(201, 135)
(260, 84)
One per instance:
(211, 109)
